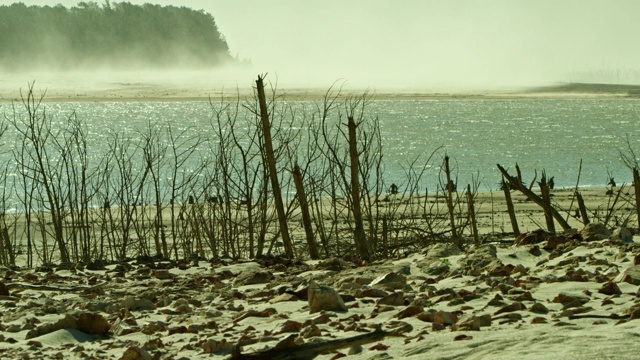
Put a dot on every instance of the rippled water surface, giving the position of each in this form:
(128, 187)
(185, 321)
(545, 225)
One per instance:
(537, 134)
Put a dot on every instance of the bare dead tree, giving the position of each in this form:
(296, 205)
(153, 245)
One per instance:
(34, 125)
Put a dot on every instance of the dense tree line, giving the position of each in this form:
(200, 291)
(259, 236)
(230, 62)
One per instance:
(120, 35)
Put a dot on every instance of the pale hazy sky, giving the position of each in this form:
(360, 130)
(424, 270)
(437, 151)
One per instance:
(427, 43)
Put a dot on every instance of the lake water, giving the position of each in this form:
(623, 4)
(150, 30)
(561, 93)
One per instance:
(553, 135)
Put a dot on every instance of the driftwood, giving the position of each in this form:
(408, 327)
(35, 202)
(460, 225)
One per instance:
(546, 202)
(597, 316)
(52, 287)
(288, 350)
(583, 209)
(636, 185)
(510, 208)
(517, 184)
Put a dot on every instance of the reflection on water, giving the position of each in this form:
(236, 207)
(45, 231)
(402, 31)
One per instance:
(553, 135)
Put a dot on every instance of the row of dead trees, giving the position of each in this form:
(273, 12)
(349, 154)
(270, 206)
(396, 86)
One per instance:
(275, 179)
(619, 200)
(271, 173)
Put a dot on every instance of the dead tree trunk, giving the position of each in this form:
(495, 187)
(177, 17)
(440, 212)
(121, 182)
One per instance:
(472, 215)
(546, 202)
(510, 208)
(516, 184)
(360, 237)
(454, 232)
(306, 216)
(636, 186)
(273, 173)
(583, 209)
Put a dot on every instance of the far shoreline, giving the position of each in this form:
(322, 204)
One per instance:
(157, 92)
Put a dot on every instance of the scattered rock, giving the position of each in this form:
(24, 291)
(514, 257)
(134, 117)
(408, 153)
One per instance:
(477, 259)
(96, 265)
(162, 274)
(324, 298)
(411, 310)
(610, 288)
(335, 264)
(132, 303)
(516, 306)
(567, 298)
(445, 317)
(93, 324)
(136, 353)
(3, 289)
(254, 278)
(393, 299)
(539, 308)
(532, 237)
(622, 234)
(469, 323)
(442, 250)
(593, 232)
(629, 275)
(390, 281)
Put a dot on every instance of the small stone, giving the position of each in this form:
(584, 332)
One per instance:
(132, 303)
(390, 281)
(568, 298)
(324, 298)
(136, 353)
(445, 317)
(3, 289)
(288, 326)
(593, 232)
(254, 278)
(516, 306)
(409, 311)
(310, 331)
(622, 234)
(635, 314)
(372, 292)
(283, 298)
(354, 350)
(93, 324)
(485, 320)
(539, 320)
(539, 308)
(462, 337)
(96, 265)
(469, 323)
(610, 288)
(629, 275)
(393, 299)
(162, 274)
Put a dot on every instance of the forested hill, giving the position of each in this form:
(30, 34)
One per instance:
(116, 35)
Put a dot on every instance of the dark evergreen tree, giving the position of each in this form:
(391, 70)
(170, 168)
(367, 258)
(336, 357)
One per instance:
(120, 35)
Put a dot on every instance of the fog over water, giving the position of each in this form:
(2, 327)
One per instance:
(426, 44)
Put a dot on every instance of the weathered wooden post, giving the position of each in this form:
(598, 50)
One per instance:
(360, 237)
(273, 173)
(546, 202)
(516, 183)
(510, 208)
(636, 186)
(454, 232)
(304, 209)
(472, 215)
(583, 209)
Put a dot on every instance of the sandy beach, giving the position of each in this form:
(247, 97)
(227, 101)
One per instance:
(570, 294)
(540, 296)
